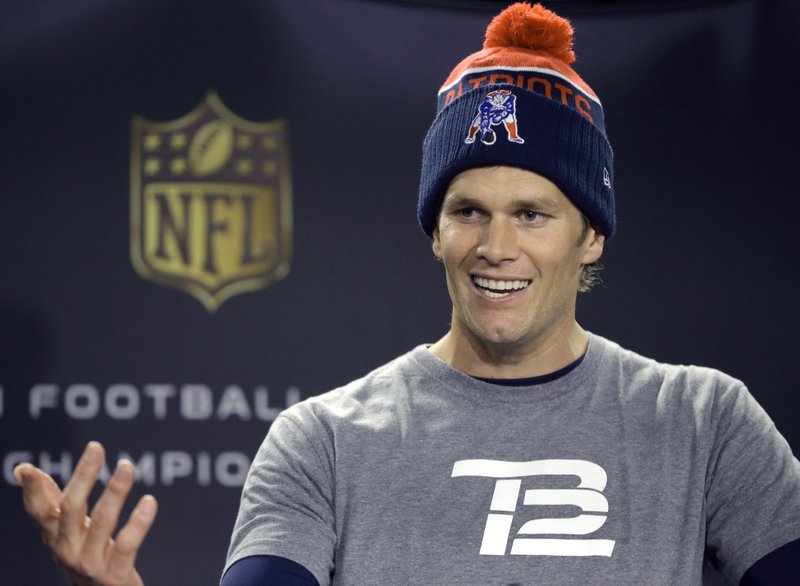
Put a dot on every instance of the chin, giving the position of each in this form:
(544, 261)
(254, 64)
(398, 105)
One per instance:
(498, 336)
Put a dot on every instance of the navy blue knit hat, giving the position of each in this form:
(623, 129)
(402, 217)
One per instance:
(517, 102)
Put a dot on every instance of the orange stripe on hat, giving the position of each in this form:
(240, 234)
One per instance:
(515, 60)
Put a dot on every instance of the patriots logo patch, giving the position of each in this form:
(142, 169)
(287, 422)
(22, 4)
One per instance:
(498, 107)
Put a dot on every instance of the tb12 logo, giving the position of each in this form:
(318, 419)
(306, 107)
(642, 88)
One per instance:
(530, 538)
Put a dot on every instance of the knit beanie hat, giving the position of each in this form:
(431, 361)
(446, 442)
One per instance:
(517, 102)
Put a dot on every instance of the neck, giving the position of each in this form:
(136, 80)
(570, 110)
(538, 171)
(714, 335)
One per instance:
(478, 357)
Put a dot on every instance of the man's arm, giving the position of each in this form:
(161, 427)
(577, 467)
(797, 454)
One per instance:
(778, 568)
(287, 504)
(267, 570)
(82, 544)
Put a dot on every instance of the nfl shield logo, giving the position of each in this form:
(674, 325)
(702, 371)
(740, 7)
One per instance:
(211, 209)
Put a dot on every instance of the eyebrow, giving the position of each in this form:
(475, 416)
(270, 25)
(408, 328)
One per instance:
(458, 201)
(533, 202)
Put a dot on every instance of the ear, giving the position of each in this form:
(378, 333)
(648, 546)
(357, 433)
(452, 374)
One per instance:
(436, 245)
(593, 247)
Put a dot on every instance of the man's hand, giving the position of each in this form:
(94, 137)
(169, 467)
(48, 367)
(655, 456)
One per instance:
(83, 545)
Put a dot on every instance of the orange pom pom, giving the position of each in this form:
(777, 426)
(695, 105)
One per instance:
(531, 27)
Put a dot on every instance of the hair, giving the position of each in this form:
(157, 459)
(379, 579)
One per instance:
(590, 273)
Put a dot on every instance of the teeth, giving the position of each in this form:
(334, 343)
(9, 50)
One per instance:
(496, 286)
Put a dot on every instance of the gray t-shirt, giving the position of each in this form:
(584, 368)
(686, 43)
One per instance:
(623, 471)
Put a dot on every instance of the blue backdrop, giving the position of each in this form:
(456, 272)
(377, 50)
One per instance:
(700, 108)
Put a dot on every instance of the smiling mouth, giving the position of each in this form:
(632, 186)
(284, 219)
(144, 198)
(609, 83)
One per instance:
(497, 289)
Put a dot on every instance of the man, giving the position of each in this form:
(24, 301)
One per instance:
(519, 448)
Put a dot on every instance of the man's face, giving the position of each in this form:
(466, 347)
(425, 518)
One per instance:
(512, 250)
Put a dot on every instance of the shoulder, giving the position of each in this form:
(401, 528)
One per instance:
(639, 370)
(705, 395)
(371, 399)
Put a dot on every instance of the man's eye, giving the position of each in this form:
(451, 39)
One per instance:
(530, 215)
(467, 212)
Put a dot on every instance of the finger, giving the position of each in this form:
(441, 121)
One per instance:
(73, 506)
(129, 539)
(41, 497)
(105, 514)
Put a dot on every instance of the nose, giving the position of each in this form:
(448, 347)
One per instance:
(498, 241)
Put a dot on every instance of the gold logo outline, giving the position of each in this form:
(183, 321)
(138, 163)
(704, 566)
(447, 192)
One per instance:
(211, 300)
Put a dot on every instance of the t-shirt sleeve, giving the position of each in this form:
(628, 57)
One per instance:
(286, 507)
(752, 487)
